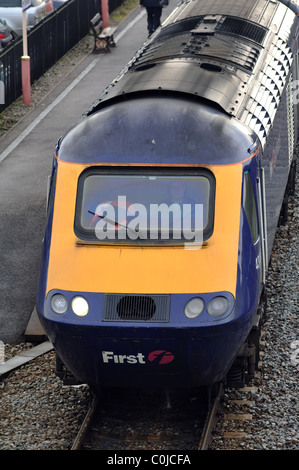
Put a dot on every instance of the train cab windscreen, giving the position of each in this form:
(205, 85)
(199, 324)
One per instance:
(140, 207)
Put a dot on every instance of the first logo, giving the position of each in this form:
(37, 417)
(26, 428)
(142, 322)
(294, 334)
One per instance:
(161, 356)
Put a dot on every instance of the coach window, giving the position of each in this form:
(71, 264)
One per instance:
(249, 205)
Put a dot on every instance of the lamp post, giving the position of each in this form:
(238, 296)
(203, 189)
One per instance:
(105, 13)
(25, 59)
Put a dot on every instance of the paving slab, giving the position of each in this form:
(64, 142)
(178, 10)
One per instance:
(25, 357)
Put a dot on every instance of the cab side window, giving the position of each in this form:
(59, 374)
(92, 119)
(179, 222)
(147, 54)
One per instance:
(250, 206)
(51, 190)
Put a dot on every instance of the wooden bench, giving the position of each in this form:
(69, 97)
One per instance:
(103, 38)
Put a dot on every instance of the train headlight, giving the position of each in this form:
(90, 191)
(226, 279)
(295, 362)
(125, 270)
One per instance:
(218, 306)
(59, 304)
(80, 306)
(194, 307)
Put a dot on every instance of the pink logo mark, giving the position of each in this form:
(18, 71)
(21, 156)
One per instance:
(161, 356)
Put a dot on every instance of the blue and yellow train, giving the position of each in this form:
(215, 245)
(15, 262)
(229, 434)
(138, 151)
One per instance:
(165, 198)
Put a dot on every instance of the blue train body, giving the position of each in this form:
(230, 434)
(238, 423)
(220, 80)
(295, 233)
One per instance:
(208, 101)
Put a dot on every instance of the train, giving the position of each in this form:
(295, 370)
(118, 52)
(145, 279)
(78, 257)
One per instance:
(164, 200)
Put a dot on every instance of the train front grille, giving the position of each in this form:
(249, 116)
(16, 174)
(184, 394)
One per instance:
(136, 308)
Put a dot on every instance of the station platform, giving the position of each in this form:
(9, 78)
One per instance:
(26, 154)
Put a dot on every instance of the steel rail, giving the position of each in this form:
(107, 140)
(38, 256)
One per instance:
(85, 426)
(210, 422)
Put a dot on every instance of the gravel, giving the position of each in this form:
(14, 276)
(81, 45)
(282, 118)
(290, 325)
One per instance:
(39, 413)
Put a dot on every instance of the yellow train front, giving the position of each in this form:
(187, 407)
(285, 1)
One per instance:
(157, 235)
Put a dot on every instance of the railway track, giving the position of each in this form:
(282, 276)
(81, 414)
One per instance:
(234, 423)
(148, 420)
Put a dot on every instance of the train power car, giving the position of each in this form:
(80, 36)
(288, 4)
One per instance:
(164, 202)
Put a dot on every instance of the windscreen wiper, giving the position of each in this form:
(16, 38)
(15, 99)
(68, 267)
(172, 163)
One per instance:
(112, 222)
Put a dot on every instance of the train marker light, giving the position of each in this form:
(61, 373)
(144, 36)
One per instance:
(80, 306)
(194, 307)
(59, 304)
(218, 306)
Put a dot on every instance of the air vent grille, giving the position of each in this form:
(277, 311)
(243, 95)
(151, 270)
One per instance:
(224, 49)
(242, 28)
(136, 308)
(227, 25)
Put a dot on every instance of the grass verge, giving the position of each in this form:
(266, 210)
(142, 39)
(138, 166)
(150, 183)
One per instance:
(123, 10)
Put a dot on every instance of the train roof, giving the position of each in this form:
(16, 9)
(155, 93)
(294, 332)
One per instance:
(130, 132)
(235, 54)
